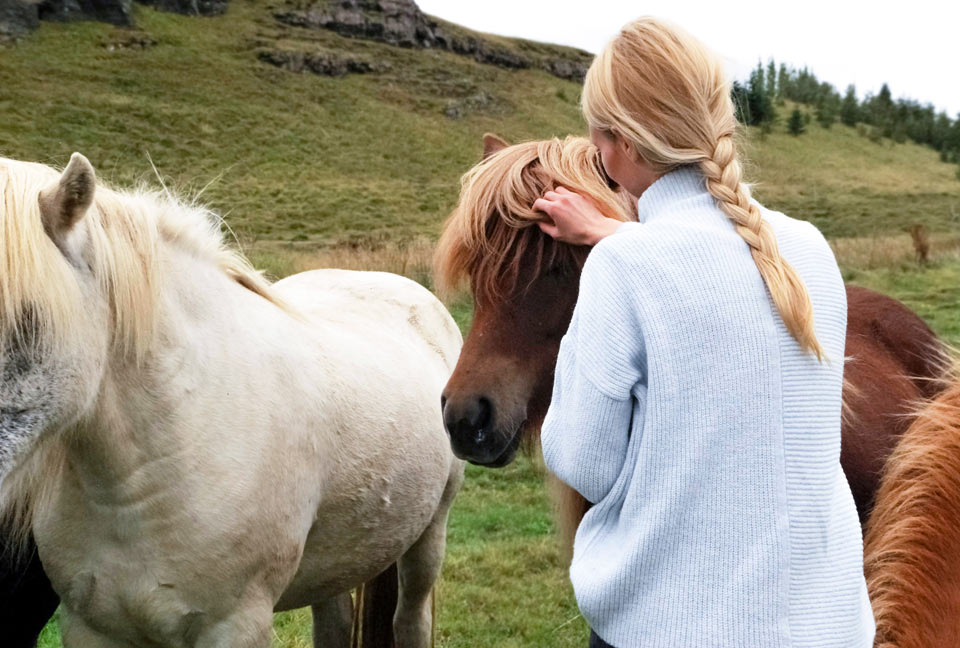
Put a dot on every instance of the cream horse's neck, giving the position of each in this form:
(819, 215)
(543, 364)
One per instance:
(186, 459)
(187, 406)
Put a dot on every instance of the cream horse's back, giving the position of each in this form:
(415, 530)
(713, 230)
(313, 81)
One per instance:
(394, 469)
(199, 449)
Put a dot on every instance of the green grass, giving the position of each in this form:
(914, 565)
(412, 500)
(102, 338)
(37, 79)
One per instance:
(849, 186)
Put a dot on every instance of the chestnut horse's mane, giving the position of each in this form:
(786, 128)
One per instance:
(912, 543)
(494, 226)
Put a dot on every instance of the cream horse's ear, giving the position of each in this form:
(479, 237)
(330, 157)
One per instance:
(62, 205)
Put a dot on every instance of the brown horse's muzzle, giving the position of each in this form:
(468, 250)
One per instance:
(474, 436)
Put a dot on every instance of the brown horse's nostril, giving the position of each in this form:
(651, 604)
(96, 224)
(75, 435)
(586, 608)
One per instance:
(468, 421)
(471, 424)
(481, 423)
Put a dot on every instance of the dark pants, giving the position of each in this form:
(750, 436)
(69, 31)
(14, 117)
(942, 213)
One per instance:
(597, 642)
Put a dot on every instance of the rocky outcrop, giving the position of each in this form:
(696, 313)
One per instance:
(322, 63)
(16, 19)
(481, 51)
(116, 12)
(397, 22)
(478, 101)
(401, 23)
(127, 40)
(189, 7)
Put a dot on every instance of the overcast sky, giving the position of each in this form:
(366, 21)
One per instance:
(913, 45)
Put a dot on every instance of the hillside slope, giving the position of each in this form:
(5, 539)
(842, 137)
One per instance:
(297, 156)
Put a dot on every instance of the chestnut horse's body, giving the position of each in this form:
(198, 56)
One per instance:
(912, 545)
(500, 390)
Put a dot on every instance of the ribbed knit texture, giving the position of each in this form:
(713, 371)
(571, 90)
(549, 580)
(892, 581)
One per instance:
(708, 441)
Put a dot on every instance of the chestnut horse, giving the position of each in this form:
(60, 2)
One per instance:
(525, 287)
(912, 546)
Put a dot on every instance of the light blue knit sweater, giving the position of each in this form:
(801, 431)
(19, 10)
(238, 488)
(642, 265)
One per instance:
(708, 441)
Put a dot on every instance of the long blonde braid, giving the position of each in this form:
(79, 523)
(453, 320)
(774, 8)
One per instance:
(664, 93)
(723, 173)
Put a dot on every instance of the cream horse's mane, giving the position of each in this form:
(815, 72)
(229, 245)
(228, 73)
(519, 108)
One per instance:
(40, 295)
(125, 229)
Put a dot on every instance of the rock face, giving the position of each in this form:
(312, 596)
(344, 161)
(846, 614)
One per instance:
(189, 7)
(16, 19)
(116, 12)
(322, 63)
(397, 22)
(401, 23)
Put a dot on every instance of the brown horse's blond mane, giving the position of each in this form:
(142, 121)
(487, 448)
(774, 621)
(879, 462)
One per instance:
(494, 226)
(912, 543)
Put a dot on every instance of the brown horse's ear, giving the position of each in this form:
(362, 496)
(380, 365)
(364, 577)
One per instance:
(492, 143)
(62, 205)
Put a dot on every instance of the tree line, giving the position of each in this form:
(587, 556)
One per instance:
(880, 114)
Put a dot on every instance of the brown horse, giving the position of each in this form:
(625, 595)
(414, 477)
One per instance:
(912, 546)
(525, 287)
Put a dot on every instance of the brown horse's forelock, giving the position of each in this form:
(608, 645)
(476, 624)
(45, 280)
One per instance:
(494, 273)
(493, 231)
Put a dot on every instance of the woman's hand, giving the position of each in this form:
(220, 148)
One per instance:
(574, 219)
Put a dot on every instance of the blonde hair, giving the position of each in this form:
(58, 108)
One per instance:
(39, 293)
(494, 226)
(40, 297)
(660, 90)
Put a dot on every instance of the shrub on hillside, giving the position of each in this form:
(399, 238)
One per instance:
(797, 124)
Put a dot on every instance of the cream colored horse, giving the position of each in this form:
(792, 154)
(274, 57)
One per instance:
(195, 449)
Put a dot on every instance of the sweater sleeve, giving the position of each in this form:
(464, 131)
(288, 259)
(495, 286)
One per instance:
(601, 360)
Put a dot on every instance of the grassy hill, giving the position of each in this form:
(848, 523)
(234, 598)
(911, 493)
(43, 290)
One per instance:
(317, 160)
(360, 171)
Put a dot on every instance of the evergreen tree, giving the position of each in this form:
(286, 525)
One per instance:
(826, 112)
(741, 102)
(850, 109)
(941, 131)
(783, 80)
(880, 111)
(760, 104)
(796, 125)
(876, 117)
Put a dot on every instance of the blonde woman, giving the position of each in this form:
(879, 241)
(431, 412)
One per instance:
(697, 393)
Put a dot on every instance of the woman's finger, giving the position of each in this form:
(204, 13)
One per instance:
(549, 229)
(562, 190)
(541, 204)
